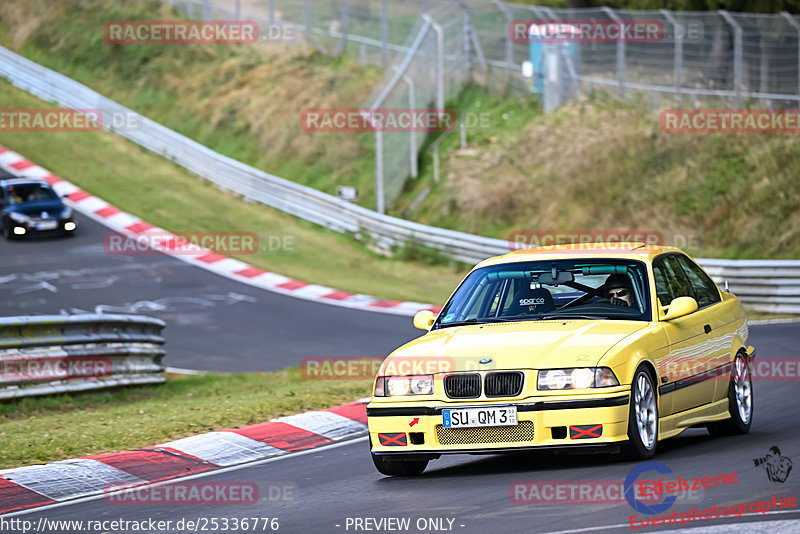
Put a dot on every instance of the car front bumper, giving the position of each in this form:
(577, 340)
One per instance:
(553, 423)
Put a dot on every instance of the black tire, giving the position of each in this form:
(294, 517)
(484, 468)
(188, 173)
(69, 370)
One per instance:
(642, 417)
(740, 401)
(399, 468)
(7, 232)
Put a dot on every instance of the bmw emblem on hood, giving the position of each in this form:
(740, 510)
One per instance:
(485, 360)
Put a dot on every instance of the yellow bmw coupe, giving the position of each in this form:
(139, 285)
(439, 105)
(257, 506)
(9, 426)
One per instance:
(603, 346)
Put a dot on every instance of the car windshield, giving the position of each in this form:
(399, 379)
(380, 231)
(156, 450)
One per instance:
(23, 193)
(591, 289)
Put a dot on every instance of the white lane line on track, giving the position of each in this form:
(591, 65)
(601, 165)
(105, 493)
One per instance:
(682, 530)
(191, 477)
(774, 321)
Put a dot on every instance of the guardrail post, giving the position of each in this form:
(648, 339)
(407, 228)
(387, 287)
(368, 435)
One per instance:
(737, 56)
(679, 31)
(620, 50)
(380, 197)
(791, 20)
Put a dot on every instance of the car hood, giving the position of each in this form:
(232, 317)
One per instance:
(522, 345)
(53, 208)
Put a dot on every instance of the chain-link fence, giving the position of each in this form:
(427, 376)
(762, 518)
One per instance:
(431, 48)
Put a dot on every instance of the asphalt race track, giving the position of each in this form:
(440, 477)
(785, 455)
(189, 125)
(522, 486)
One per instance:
(213, 323)
(218, 324)
(333, 484)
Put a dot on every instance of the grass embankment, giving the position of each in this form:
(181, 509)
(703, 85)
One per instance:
(44, 429)
(605, 164)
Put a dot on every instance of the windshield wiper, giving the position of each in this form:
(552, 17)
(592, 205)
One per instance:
(486, 320)
(572, 316)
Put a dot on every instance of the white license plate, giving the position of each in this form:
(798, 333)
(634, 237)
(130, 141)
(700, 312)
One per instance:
(46, 225)
(470, 417)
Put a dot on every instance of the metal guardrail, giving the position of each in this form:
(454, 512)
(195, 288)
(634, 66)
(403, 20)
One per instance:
(48, 354)
(771, 286)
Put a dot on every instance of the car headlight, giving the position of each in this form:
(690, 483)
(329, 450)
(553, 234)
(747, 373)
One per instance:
(66, 213)
(399, 386)
(18, 217)
(577, 378)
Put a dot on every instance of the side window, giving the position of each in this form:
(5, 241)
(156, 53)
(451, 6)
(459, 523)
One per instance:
(677, 285)
(705, 288)
(663, 291)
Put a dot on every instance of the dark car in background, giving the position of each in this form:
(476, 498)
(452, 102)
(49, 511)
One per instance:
(31, 206)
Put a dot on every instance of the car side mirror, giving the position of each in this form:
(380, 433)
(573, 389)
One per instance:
(680, 307)
(424, 319)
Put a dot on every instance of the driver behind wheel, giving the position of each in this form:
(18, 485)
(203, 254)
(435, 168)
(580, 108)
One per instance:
(618, 290)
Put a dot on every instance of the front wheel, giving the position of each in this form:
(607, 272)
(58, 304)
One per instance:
(740, 401)
(399, 468)
(643, 417)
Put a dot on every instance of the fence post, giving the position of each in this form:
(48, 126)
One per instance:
(412, 140)
(271, 11)
(620, 50)
(509, 42)
(737, 56)
(790, 19)
(238, 10)
(678, 67)
(439, 62)
(345, 26)
(307, 17)
(384, 33)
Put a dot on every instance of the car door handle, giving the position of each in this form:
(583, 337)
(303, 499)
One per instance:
(707, 328)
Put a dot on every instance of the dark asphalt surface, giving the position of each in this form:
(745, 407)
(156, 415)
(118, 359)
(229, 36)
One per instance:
(213, 323)
(337, 484)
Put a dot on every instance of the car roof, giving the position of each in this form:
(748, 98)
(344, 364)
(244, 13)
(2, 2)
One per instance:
(22, 181)
(610, 250)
